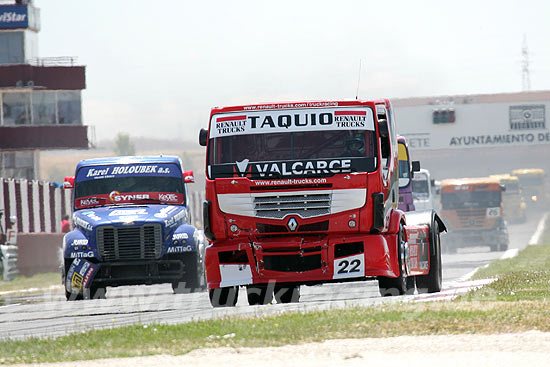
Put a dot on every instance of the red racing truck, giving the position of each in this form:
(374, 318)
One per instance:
(307, 193)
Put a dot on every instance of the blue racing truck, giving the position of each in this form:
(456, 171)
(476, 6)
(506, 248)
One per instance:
(131, 226)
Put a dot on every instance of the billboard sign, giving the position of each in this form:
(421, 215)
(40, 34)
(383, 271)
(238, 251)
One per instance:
(14, 16)
(476, 126)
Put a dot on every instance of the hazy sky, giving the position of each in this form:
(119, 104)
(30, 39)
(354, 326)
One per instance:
(155, 68)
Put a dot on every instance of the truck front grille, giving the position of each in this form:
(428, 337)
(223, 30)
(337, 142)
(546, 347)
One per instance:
(129, 243)
(292, 263)
(306, 205)
(472, 217)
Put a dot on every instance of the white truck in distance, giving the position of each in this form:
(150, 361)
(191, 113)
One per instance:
(423, 190)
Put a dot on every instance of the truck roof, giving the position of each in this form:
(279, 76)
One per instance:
(469, 180)
(506, 177)
(492, 182)
(128, 160)
(528, 171)
(301, 104)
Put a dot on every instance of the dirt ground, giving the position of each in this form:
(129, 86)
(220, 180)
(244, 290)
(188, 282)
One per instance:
(519, 349)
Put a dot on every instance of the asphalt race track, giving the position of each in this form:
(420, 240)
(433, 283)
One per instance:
(48, 314)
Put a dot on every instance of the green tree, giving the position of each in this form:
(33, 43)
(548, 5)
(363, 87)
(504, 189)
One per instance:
(123, 145)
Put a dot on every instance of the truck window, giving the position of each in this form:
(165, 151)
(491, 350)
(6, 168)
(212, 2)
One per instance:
(471, 199)
(311, 145)
(404, 166)
(98, 182)
(420, 186)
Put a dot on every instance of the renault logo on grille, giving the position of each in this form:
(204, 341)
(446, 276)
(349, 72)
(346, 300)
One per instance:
(292, 224)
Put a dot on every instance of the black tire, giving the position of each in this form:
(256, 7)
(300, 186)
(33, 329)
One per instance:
(400, 285)
(432, 282)
(223, 297)
(73, 296)
(259, 294)
(287, 293)
(192, 277)
(494, 247)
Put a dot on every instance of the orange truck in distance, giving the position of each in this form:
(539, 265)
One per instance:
(473, 211)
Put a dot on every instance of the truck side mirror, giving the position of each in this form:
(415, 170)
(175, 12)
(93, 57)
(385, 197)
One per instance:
(502, 188)
(203, 137)
(188, 176)
(68, 183)
(415, 166)
(432, 182)
(383, 128)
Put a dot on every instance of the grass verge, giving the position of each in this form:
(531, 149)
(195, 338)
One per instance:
(292, 328)
(43, 280)
(518, 301)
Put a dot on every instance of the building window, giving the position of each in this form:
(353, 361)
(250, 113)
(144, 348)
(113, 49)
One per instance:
(11, 48)
(44, 111)
(19, 164)
(16, 108)
(69, 108)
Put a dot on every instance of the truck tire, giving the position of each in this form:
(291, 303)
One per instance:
(73, 296)
(259, 294)
(431, 283)
(287, 293)
(223, 297)
(69, 296)
(191, 281)
(400, 285)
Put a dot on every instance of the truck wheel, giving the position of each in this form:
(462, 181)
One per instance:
(73, 296)
(259, 294)
(69, 296)
(400, 285)
(431, 283)
(494, 247)
(223, 297)
(287, 293)
(192, 274)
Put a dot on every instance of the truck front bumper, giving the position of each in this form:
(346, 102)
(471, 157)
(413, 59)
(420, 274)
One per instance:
(300, 260)
(138, 272)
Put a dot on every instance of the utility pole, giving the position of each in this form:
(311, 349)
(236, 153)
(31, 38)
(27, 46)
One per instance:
(525, 78)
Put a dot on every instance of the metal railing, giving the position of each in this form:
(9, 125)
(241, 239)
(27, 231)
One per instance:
(53, 61)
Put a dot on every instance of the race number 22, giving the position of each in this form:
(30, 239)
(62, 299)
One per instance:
(349, 267)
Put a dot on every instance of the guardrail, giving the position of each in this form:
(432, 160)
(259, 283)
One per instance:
(9, 262)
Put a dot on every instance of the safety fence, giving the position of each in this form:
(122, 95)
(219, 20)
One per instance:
(38, 206)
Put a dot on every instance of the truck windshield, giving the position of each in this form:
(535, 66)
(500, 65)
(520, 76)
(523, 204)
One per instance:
(527, 181)
(320, 153)
(108, 185)
(471, 199)
(420, 187)
(511, 188)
